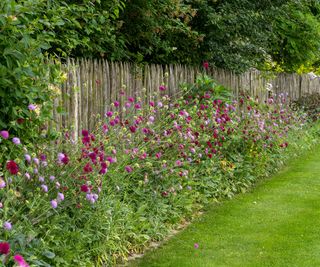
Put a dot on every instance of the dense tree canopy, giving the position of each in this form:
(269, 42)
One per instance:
(233, 34)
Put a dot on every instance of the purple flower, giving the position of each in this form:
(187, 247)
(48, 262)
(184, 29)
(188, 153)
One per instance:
(52, 178)
(60, 197)
(41, 179)
(54, 203)
(196, 245)
(32, 107)
(44, 188)
(27, 157)
(2, 183)
(7, 226)
(27, 175)
(36, 161)
(4, 134)
(162, 88)
(16, 141)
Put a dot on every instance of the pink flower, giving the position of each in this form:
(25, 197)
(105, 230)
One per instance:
(116, 103)
(128, 169)
(4, 134)
(20, 261)
(131, 99)
(162, 88)
(196, 245)
(178, 163)
(127, 104)
(151, 104)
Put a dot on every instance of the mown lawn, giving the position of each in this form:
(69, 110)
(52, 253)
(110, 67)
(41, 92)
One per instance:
(277, 224)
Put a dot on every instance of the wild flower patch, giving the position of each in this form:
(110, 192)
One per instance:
(144, 169)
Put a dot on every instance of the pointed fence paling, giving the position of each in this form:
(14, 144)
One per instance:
(92, 85)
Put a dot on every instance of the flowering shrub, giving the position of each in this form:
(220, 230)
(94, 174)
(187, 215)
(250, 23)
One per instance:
(142, 170)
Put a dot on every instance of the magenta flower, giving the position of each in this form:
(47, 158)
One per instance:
(178, 163)
(109, 113)
(4, 248)
(7, 226)
(205, 64)
(196, 245)
(32, 107)
(54, 203)
(4, 134)
(20, 261)
(116, 103)
(137, 106)
(84, 188)
(128, 169)
(85, 133)
(16, 141)
(162, 88)
(127, 104)
(131, 99)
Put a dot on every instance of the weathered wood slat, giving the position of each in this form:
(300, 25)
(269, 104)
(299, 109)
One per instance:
(92, 85)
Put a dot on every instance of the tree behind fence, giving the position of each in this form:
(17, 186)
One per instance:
(92, 85)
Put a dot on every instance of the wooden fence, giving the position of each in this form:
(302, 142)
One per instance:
(92, 85)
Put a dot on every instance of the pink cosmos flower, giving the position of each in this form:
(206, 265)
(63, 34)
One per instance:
(20, 261)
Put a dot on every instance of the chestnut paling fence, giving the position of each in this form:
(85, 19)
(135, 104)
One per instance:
(92, 85)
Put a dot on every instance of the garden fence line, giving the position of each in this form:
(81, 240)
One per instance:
(92, 85)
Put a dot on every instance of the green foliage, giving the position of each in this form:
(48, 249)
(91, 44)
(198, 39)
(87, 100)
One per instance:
(310, 104)
(27, 75)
